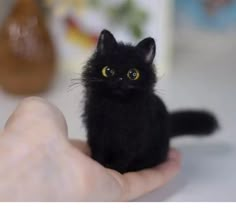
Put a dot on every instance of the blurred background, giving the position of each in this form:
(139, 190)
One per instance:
(45, 43)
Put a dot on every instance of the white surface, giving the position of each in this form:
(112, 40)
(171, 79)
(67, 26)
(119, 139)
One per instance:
(208, 170)
(204, 76)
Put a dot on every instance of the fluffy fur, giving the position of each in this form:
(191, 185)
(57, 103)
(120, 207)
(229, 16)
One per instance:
(128, 126)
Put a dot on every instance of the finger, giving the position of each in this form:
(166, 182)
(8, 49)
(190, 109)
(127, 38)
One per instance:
(35, 116)
(81, 146)
(139, 183)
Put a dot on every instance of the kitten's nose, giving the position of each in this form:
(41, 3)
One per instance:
(119, 81)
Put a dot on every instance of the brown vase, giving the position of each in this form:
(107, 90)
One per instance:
(27, 56)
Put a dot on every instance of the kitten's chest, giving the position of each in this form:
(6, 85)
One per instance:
(117, 131)
(109, 116)
(124, 126)
(110, 111)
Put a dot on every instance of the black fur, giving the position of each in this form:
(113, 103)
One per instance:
(192, 123)
(128, 126)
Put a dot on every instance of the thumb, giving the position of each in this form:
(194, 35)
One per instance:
(35, 116)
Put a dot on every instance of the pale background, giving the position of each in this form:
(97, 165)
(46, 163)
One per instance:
(202, 76)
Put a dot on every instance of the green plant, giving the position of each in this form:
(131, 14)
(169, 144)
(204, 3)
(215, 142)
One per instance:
(127, 14)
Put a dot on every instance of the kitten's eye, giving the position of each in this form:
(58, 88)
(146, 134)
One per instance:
(108, 72)
(133, 74)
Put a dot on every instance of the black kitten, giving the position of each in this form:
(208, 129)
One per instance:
(128, 126)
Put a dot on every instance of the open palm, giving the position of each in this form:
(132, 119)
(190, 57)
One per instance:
(39, 163)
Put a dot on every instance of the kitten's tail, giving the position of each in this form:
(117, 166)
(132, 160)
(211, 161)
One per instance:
(192, 123)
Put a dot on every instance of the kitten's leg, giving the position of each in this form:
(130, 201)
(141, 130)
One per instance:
(97, 150)
(118, 160)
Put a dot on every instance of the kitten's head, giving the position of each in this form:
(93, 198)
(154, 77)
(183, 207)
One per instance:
(120, 70)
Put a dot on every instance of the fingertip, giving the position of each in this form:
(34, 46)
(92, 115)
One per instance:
(140, 183)
(175, 165)
(172, 164)
(174, 154)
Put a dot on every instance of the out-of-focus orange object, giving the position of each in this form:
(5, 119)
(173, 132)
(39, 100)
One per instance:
(27, 56)
(78, 36)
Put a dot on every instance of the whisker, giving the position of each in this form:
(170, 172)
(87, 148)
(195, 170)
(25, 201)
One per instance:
(72, 87)
(76, 82)
(161, 91)
(77, 73)
(76, 79)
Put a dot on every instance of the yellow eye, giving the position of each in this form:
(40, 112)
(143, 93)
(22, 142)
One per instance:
(133, 74)
(108, 72)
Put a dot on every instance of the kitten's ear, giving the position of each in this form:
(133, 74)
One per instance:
(106, 42)
(148, 46)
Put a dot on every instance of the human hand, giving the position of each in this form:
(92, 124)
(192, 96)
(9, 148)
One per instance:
(39, 163)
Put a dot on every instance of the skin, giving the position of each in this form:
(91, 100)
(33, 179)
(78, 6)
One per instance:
(40, 163)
